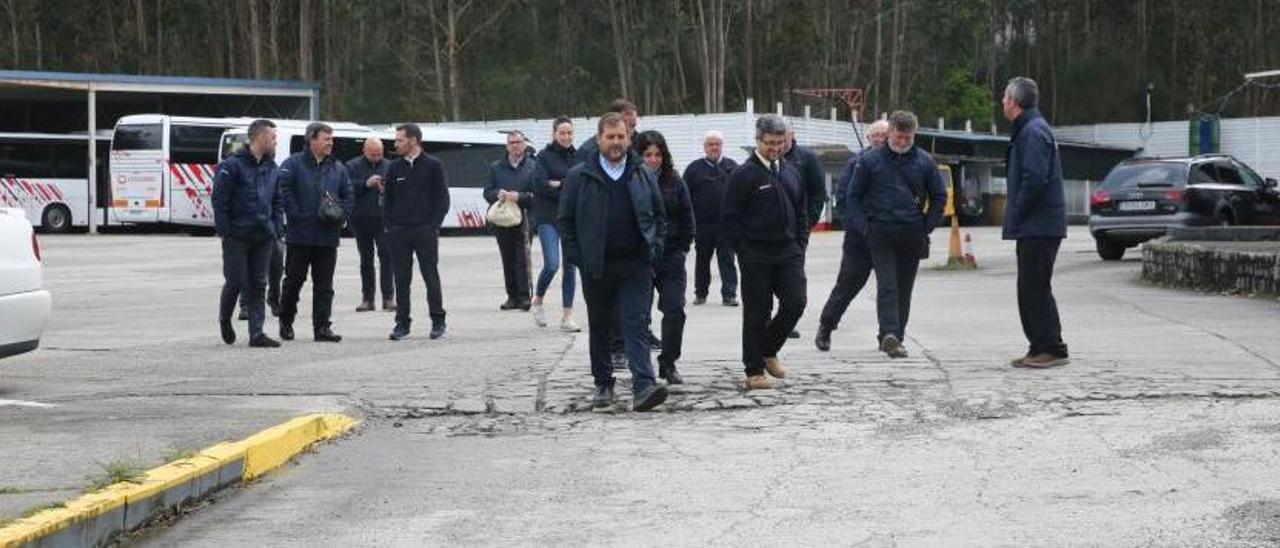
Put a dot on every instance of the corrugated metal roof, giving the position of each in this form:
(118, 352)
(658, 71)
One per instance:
(192, 81)
(1254, 141)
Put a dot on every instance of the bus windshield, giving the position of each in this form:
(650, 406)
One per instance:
(138, 137)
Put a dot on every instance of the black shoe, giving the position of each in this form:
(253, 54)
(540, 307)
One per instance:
(228, 331)
(730, 301)
(650, 398)
(286, 331)
(602, 398)
(437, 329)
(509, 305)
(263, 341)
(670, 374)
(325, 334)
(244, 316)
(400, 332)
(524, 306)
(793, 334)
(699, 300)
(823, 339)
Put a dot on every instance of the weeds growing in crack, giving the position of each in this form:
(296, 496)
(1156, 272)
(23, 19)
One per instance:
(117, 471)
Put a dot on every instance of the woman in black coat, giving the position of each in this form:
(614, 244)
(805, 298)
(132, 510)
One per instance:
(671, 279)
(554, 161)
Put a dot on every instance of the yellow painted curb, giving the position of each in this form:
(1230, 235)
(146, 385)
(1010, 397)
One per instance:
(259, 454)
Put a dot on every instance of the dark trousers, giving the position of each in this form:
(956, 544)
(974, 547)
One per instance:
(244, 273)
(672, 282)
(624, 293)
(769, 271)
(513, 245)
(275, 272)
(855, 269)
(1036, 305)
(710, 242)
(424, 241)
(371, 239)
(895, 254)
(320, 261)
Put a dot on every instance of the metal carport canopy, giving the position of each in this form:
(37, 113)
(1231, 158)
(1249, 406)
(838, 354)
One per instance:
(93, 83)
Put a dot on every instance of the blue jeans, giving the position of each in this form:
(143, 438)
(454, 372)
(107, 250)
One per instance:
(549, 238)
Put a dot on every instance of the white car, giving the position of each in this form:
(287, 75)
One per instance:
(24, 303)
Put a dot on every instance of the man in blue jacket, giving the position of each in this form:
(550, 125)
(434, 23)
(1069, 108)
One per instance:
(416, 202)
(895, 200)
(249, 216)
(310, 182)
(511, 179)
(708, 177)
(1036, 218)
(613, 227)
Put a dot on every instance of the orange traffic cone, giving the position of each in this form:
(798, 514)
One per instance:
(969, 260)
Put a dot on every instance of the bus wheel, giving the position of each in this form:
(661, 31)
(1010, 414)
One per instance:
(56, 219)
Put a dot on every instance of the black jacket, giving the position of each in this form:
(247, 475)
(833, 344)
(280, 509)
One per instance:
(813, 177)
(707, 183)
(416, 194)
(841, 191)
(681, 227)
(583, 208)
(519, 179)
(880, 194)
(1036, 206)
(246, 198)
(302, 182)
(368, 204)
(763, 208)
(554, 161)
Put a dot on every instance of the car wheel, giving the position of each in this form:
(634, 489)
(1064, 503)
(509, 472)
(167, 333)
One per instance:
(56, 219)
(1109, 250)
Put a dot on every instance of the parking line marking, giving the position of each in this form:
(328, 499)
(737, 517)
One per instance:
(23, 403)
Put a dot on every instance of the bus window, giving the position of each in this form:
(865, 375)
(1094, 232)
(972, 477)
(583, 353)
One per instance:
(72, 161)
(25, 160)
(466, 164)
(194, 144)
(138, 137)
(232, 143)
(346, 148)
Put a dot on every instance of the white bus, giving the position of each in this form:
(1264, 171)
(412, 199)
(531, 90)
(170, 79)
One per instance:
(162, 168)
(47, 176)
(466, 155)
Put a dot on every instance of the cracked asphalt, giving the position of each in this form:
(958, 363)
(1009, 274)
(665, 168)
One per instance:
(1164, 430)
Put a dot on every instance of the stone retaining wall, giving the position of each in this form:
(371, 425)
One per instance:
(1251, 268)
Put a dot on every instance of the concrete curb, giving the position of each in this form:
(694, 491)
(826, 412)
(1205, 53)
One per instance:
(96, 518)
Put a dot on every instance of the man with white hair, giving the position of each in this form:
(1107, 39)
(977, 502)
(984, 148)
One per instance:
(707, 178)
(855, 259)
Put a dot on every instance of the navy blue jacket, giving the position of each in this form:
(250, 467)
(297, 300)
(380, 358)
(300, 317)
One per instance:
(302, 181)
(763, 208)
(841, 191)
(707, 184)
(246, 198)
(554, 161)
(584, 207)
(879, 194)
(368, 203)
(1036, 205)
(512, 179)
(681, 227)
(813, 177)
(417, 194)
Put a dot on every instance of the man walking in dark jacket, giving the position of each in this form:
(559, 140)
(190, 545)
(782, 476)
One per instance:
(415, 202)
(1036, 218)
(764, 215)
(310, 182)
(707, 178)
(895, 200)
(855, 258)
(812, 176)
(613, 227)
(367, 172)
(511, 179)
(248, 214)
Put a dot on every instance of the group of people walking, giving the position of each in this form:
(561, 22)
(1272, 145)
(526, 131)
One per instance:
(615, 211)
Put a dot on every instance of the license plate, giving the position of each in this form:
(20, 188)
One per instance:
(1144, 205)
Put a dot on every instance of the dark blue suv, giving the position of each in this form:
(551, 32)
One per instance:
(1140, 199)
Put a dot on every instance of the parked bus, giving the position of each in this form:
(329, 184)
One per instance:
(47, 176)
(162, 168)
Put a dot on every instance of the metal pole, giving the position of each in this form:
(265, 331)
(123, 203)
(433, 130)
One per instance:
(93, 158)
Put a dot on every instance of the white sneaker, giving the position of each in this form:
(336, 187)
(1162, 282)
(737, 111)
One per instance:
(569, 327)
(539, 315)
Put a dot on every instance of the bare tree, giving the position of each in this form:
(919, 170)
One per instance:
(447, 19)
(306, 23)
(255, 37)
